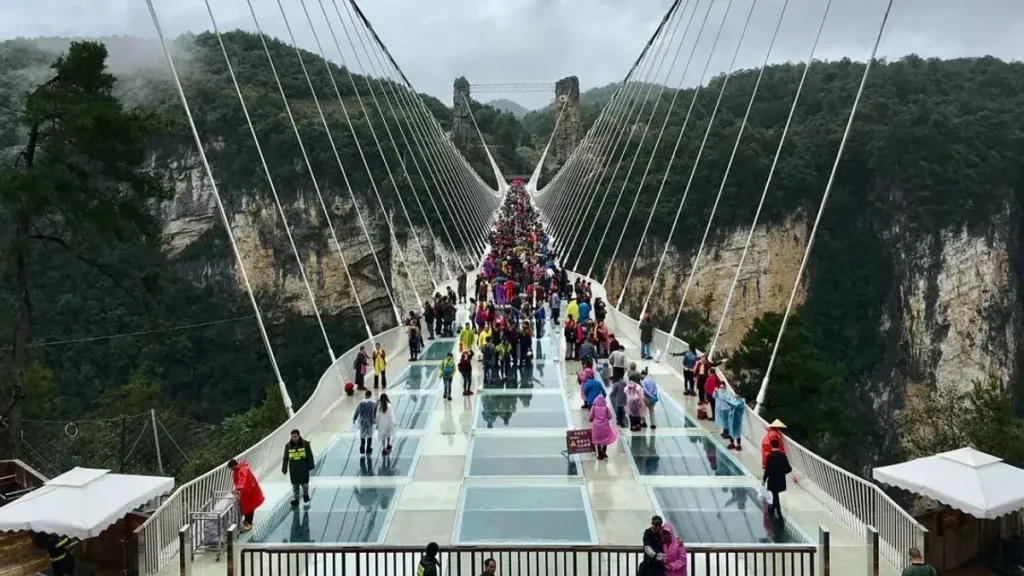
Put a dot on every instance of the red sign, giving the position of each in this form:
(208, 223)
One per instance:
(579, 441)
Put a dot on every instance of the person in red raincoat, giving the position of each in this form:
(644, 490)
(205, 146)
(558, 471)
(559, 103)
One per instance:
(250, 496)
(774, 432)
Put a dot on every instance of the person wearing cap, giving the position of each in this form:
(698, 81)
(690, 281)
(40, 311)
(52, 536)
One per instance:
(774, 432)
(654, 557)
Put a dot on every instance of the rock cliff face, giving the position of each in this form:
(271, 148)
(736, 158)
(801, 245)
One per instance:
(191, 218)
(955, 320)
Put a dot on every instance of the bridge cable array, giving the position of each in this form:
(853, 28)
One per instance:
(470, 203)
(572, 188)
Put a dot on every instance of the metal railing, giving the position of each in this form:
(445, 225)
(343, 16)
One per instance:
(158, 535)
(757, 560)
(854, 501)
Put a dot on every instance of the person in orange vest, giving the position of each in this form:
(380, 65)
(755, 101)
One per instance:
(774, 432)
(250, 496)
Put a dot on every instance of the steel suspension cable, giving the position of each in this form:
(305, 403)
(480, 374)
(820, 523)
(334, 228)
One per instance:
(373, 131)
(696, 162)
(285, 397)
(632, 164)
(630, 123)
(762, 392)
(394, 114)
(316, 188)
(768, 179)
(270, 182)
(707, 228)
(498, 176)
(535, 175)
(337, 156)
(355, 136)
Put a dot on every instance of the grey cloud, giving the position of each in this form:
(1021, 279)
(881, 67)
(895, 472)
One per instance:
(491, 41)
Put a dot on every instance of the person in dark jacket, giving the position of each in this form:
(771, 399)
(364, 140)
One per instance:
(298, 463)
(490, 567)
(775, 469)
(654, 559)
(58, 548)
(429, 565)
(646, 337)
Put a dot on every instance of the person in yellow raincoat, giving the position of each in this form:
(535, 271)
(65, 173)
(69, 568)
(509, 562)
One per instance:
(380, 366)
(466, 337)
(483, 338)
(573, 309)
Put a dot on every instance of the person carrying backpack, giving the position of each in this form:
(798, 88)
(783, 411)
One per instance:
(447, 372)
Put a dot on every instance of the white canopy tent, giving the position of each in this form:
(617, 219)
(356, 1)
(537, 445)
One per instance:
(971, 481)
(81, 503)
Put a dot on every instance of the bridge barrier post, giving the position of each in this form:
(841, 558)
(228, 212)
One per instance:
(184, 556)
(229, 549)
(825, 557)
(873, 560)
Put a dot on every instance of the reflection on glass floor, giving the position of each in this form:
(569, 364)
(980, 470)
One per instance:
(520, 409)
(725, 515)
(438, 350)
(520, 456)
(413, 409)
(668, 414)
(335, 515)
(525, 514)
(342, 458)
(529, 376)
(677, 455)
(419, 376)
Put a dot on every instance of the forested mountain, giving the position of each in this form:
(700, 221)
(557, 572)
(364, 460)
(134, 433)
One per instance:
(192, 350)
(512, 107)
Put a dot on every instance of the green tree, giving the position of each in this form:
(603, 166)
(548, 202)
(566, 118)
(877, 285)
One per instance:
(805, 390)
(77, 183)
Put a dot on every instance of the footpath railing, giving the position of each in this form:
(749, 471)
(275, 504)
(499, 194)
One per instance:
(856, 502)
(158, 536)
(758, 560)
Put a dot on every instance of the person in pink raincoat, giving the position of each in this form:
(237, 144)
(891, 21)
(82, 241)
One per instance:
(636, 407)
(674, 551)
(601, 430)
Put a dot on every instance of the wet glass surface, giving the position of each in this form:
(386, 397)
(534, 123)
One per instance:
(342, 458)
(524, 514)
(520, 409)
(413, 409)
(528, 377)
(668, 414)
(520, 456)
(674, 455)
(419, 376)
(438, 350)
(725, 515)
(342, 514)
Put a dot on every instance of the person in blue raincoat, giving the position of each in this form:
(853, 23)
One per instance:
(723, 408)
(737, 408)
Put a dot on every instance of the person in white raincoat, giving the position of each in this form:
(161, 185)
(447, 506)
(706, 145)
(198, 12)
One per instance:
(723, 409)
(385, 423)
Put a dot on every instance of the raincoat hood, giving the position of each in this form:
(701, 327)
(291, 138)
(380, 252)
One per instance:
(600, 402)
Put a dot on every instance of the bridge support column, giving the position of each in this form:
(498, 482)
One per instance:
(462, 121)
(567, 109)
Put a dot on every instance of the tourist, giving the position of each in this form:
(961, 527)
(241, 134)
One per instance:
(774, 479)
(447, 372)
(466, 337)
(737, 410)
(774, 432)
(653, 563)
(673, 551)
(601, 430)
(58, 548)
(650, 397)
(429, 565)
(646, 337)
(917, 565)
(359, 366)
(428, 318)
(380, 366)
(689, 363)
(364, 417)
(298, 463)
(617, 398)
(617, 360)
(466, 370)
(385, 423)
(247, 488)
(490, 567)
(635, 405)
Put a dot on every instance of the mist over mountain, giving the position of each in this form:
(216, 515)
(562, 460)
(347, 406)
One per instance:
(506, 105)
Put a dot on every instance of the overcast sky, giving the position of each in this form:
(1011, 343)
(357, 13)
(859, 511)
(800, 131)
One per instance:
(491, 41)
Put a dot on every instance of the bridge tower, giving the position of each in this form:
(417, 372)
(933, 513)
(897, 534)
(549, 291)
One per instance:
(462, 122)
(567, 104)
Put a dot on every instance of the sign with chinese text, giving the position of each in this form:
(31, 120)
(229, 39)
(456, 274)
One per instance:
(579, 441)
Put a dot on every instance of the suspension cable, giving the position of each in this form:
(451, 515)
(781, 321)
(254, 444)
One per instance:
(625, 146)
(821, 210)
(373, 132)
(746, 116)
(378, 68)
(535, 175)
(696, 162)
(498, 176)
(355, 137)
(286, 399)
(632, 164)
(768, 180)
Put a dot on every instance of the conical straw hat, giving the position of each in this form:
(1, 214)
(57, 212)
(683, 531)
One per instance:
(777, 424)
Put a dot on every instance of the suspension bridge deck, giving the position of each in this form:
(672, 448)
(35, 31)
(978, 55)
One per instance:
(487, 470)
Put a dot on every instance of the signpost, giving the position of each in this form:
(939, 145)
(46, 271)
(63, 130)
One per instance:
(578, 442)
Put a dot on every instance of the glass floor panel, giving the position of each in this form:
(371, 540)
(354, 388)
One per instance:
(520, 456)
(342, 458)
(668, 414)
(336, 515)
(530, 376)
(419, 376)
(725, 515)
(524, 514)
(413, 410)
(677, 455)
(438, 350)
(518, 409)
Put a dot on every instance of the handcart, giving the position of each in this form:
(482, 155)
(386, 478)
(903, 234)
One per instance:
(211, 522)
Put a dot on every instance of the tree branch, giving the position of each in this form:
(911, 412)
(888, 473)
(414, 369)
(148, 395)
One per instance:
(47, 239)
